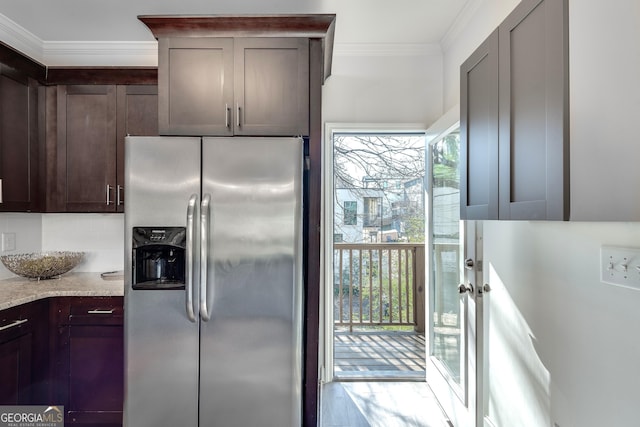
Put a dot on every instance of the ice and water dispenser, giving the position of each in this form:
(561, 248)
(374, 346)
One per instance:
(159, 257)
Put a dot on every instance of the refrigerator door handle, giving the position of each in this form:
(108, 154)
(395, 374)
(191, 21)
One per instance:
(204, 256)
(191, 207)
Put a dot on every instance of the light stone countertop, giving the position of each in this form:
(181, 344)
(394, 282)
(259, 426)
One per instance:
(18, 290)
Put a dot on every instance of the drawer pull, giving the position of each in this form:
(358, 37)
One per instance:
(14, 324)
(100, 311)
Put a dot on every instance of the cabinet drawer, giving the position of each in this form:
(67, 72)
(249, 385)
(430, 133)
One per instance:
(20, 320)
(90, 311)
(13, 322)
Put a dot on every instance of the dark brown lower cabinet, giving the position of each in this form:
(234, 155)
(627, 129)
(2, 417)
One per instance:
(15, 367)
(88, 371)
(24, 354)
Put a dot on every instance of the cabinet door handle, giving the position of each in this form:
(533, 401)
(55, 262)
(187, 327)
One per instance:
(227, 123)
(100, 311)
(238, 114)
(119, 200)
(14, 324)
(109, 188)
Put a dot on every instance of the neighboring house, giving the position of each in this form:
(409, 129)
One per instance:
(377, 211)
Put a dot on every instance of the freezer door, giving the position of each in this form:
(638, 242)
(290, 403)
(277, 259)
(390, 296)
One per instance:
(161, 343)
(250, 367)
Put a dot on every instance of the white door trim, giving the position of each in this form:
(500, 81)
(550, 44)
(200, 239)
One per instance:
(325, 356)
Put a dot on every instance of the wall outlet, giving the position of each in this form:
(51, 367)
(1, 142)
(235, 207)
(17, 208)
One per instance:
(620, 266)
(8, 242)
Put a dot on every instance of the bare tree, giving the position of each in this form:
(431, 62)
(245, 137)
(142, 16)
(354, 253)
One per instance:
(377, 157)
(385, 162)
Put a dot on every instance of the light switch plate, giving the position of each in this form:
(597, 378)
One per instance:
(8, 242)
(620, 266)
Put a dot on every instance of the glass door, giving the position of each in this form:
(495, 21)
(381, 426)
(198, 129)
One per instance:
(452, 261)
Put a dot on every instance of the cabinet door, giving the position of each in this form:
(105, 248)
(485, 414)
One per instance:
(137, 107)
(479, 132)
(95, 374)
(87, 147)
(24, 354)
(271, 86)
(18, 145)
(534, 142)
(89, 365)
(15, 368)
(195, 86)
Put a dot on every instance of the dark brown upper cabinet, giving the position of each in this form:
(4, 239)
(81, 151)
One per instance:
(18, 143)
(233, 86)
(136, 115)
(514, 118)
(86, 159)
(87, 148)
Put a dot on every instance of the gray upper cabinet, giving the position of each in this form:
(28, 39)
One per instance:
(514, 118)
(479, 132)
(271, 86)
(233, 86)
(533, 122)
(195, 86)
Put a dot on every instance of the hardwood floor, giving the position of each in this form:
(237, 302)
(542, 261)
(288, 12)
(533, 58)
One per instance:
(380, 404)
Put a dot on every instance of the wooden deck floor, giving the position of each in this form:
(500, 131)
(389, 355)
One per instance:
(379, 355)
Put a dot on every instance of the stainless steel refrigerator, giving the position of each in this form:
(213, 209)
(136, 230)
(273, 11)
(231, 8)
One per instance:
(213, 282)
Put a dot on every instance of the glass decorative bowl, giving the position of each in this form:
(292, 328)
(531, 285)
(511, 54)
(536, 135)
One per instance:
(42, 265)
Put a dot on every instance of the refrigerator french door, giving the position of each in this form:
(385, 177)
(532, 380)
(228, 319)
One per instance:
(213, 282)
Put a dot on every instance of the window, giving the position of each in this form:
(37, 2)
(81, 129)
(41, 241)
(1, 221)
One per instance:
(350, 209)
(338, 238)
(372, 216)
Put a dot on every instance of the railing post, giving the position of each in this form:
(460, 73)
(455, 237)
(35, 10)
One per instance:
(419, 291)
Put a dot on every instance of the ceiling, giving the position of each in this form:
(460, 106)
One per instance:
(363, 22)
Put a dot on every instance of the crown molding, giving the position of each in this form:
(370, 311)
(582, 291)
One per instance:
(122, 54)
(459, 24)
(145, 54)
(20, 39)
(386, 49)
(73, 53)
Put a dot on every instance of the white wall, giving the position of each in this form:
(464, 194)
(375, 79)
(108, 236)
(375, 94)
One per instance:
(100, 236)
(562, 345)
(28, 235)
(384, 86)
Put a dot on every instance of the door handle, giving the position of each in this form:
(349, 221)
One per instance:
(191, 207)
(462, 288)
(100, 311)
(469, 263)
(119, 200)
(14, 324)
(109, 188)
(484, 289)
(204, 257)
